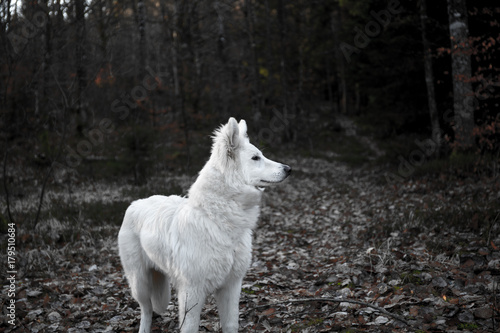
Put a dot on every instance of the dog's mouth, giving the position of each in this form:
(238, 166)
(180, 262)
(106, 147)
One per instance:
(264, 183)
(270, 181)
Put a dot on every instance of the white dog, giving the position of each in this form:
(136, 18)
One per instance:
(201, 244)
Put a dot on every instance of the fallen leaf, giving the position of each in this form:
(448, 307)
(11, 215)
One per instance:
(414, 311)
(268, 312)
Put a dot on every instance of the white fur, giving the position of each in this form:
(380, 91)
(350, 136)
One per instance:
(201, 244)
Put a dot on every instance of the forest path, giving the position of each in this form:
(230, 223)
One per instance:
(351, 129)
(327, 231)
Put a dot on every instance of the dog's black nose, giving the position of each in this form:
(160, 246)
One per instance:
(287, 169)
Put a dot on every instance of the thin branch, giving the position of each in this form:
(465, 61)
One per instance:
(341, 300)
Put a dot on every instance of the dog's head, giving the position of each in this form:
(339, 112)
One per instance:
(234, 154)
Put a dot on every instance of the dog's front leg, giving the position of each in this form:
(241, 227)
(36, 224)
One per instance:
(228, 299)
(191, 301)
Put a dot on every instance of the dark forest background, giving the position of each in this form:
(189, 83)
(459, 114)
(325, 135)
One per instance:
(120, 88)
(387, 111)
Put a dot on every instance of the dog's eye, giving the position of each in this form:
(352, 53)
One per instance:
(256, 158)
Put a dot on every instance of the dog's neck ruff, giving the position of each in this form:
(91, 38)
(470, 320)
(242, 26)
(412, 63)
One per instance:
(223, 200)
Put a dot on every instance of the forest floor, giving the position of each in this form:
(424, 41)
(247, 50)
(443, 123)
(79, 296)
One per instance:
(423, 251)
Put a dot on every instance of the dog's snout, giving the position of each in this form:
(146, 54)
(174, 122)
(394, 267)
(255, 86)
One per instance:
(287, 169)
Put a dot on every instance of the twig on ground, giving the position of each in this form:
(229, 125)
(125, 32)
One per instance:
(341, 300)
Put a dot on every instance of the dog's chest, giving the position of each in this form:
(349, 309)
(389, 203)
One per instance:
(227, 255)
(235, 260)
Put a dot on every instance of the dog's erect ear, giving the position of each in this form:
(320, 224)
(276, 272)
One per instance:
(232, 137)
(226, 141)
(243, 128)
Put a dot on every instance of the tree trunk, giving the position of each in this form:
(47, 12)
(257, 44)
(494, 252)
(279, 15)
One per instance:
(141, 25)
(463, 97)
(270, 82)
(339, 62)
(6, 16)
(429, 79)
(287, 112)
(178, 32)
(47, 56)
(254, 71)
(81, 71)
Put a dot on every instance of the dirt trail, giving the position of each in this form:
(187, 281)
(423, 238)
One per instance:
(328, 231)
(351, 129)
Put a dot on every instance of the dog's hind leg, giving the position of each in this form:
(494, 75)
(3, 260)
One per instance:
(141, 287)
(140, 281)
(146, 317)
(137, 275)
(160, 295)
(141, 291)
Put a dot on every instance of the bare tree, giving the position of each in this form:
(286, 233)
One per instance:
(339, 61)
(175, 31)
(429, 78)
(463, 98)
(254, 72)
(282, 26)
(140, 16)
(80, 58)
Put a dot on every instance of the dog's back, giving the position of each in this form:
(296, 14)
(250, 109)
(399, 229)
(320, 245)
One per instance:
(147, 210)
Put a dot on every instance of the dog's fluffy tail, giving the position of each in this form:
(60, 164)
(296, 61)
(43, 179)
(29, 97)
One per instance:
(160, 295)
